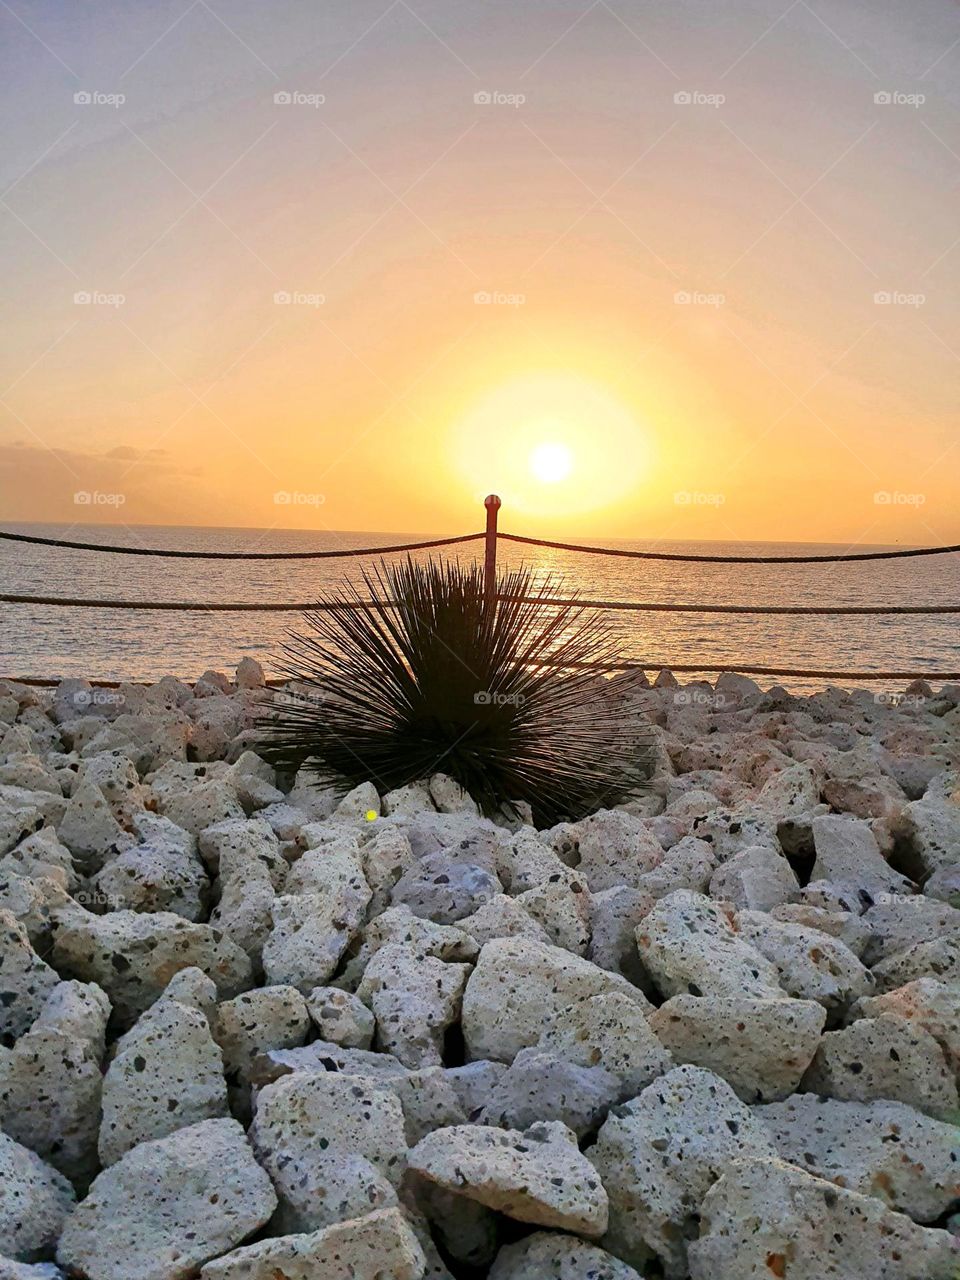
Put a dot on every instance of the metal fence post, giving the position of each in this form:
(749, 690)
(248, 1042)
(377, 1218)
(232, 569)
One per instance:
(492, 504)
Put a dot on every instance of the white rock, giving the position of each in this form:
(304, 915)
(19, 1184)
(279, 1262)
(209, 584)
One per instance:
(760, 1047)
(415, 998)
(25, 979)
(658, 1155)
(847, 852)
(250, 674)
(134, 956)
(548, 1254)
(688, 945)
(502, 917)
(334, 1146)
(89, 829)
(537, 1176)
(379, 1244)
(898, 922)
(768, 1216)
(812, 965)
(609, 1030)
(884, 1149)
(169, 1206)
(755, 879)
(50, 1081)
(341, 1017)
(517, 985)
(932, 1005)
(166, 1074)
(34, 1201)
(884, 1057)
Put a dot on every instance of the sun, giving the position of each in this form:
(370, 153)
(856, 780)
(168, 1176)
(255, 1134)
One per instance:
(551, 462)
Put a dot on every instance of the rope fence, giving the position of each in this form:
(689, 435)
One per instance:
(491, 536)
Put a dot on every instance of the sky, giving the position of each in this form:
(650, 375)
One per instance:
(647, 270)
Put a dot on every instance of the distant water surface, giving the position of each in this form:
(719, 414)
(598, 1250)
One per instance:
(124, 644)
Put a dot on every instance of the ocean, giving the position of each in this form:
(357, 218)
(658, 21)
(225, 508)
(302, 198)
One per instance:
(115, 644)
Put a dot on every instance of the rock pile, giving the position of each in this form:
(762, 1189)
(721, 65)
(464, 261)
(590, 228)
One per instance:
(250, 1029)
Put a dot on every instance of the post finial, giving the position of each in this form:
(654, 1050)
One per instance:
(491, 500)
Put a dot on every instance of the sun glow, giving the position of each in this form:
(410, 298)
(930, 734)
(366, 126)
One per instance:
(552, 445)
(551, 462)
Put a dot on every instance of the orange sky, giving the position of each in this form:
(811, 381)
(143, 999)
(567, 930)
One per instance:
(679, 293)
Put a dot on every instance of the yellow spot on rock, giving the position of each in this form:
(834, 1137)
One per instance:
(370, 815)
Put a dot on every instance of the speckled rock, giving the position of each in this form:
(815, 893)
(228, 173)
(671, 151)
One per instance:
(154, 877)
(558, 1257)
(755, 879)
(765, 1216)
(848, 853)
(311, 931)
(166, 1074)
(659, 1154)
(760, 1047)
(845, 925)
(445, 890)
(689, 863)
(884, 1149)
(133, 956)
(517, 985)
(932, 1005)
(689, 945)
(884, 1057)
(250, 1024)
(939, 958)
(502, 917)
(414, 998)
(334, 1146)
(562, 906)
(614, 916)
(400, 925)
(538, 1176)
(615, 849)
(25, 979)
(898, 922)
(380, 1244)
(169, 1206)
(41, 855)
(385, 856)
(50, 1081)
(89, 829)
(200, 806)
(341, 1017)
(34, 1201)
(539, 1085)
(930, 829)
(811, 965)
(609, 1030)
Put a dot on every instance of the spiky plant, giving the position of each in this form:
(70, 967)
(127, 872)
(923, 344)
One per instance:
(433, 676)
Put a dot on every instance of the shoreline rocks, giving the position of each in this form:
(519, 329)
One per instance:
(253, 1028)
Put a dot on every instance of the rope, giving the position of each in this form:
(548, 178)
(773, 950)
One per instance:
(313, 606)
(231, 606)
(471, 537)
(739, 608)
(665, 555)
(238, 555)
(43, 683)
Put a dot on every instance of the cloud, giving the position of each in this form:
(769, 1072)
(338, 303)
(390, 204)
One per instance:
(137, 486)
